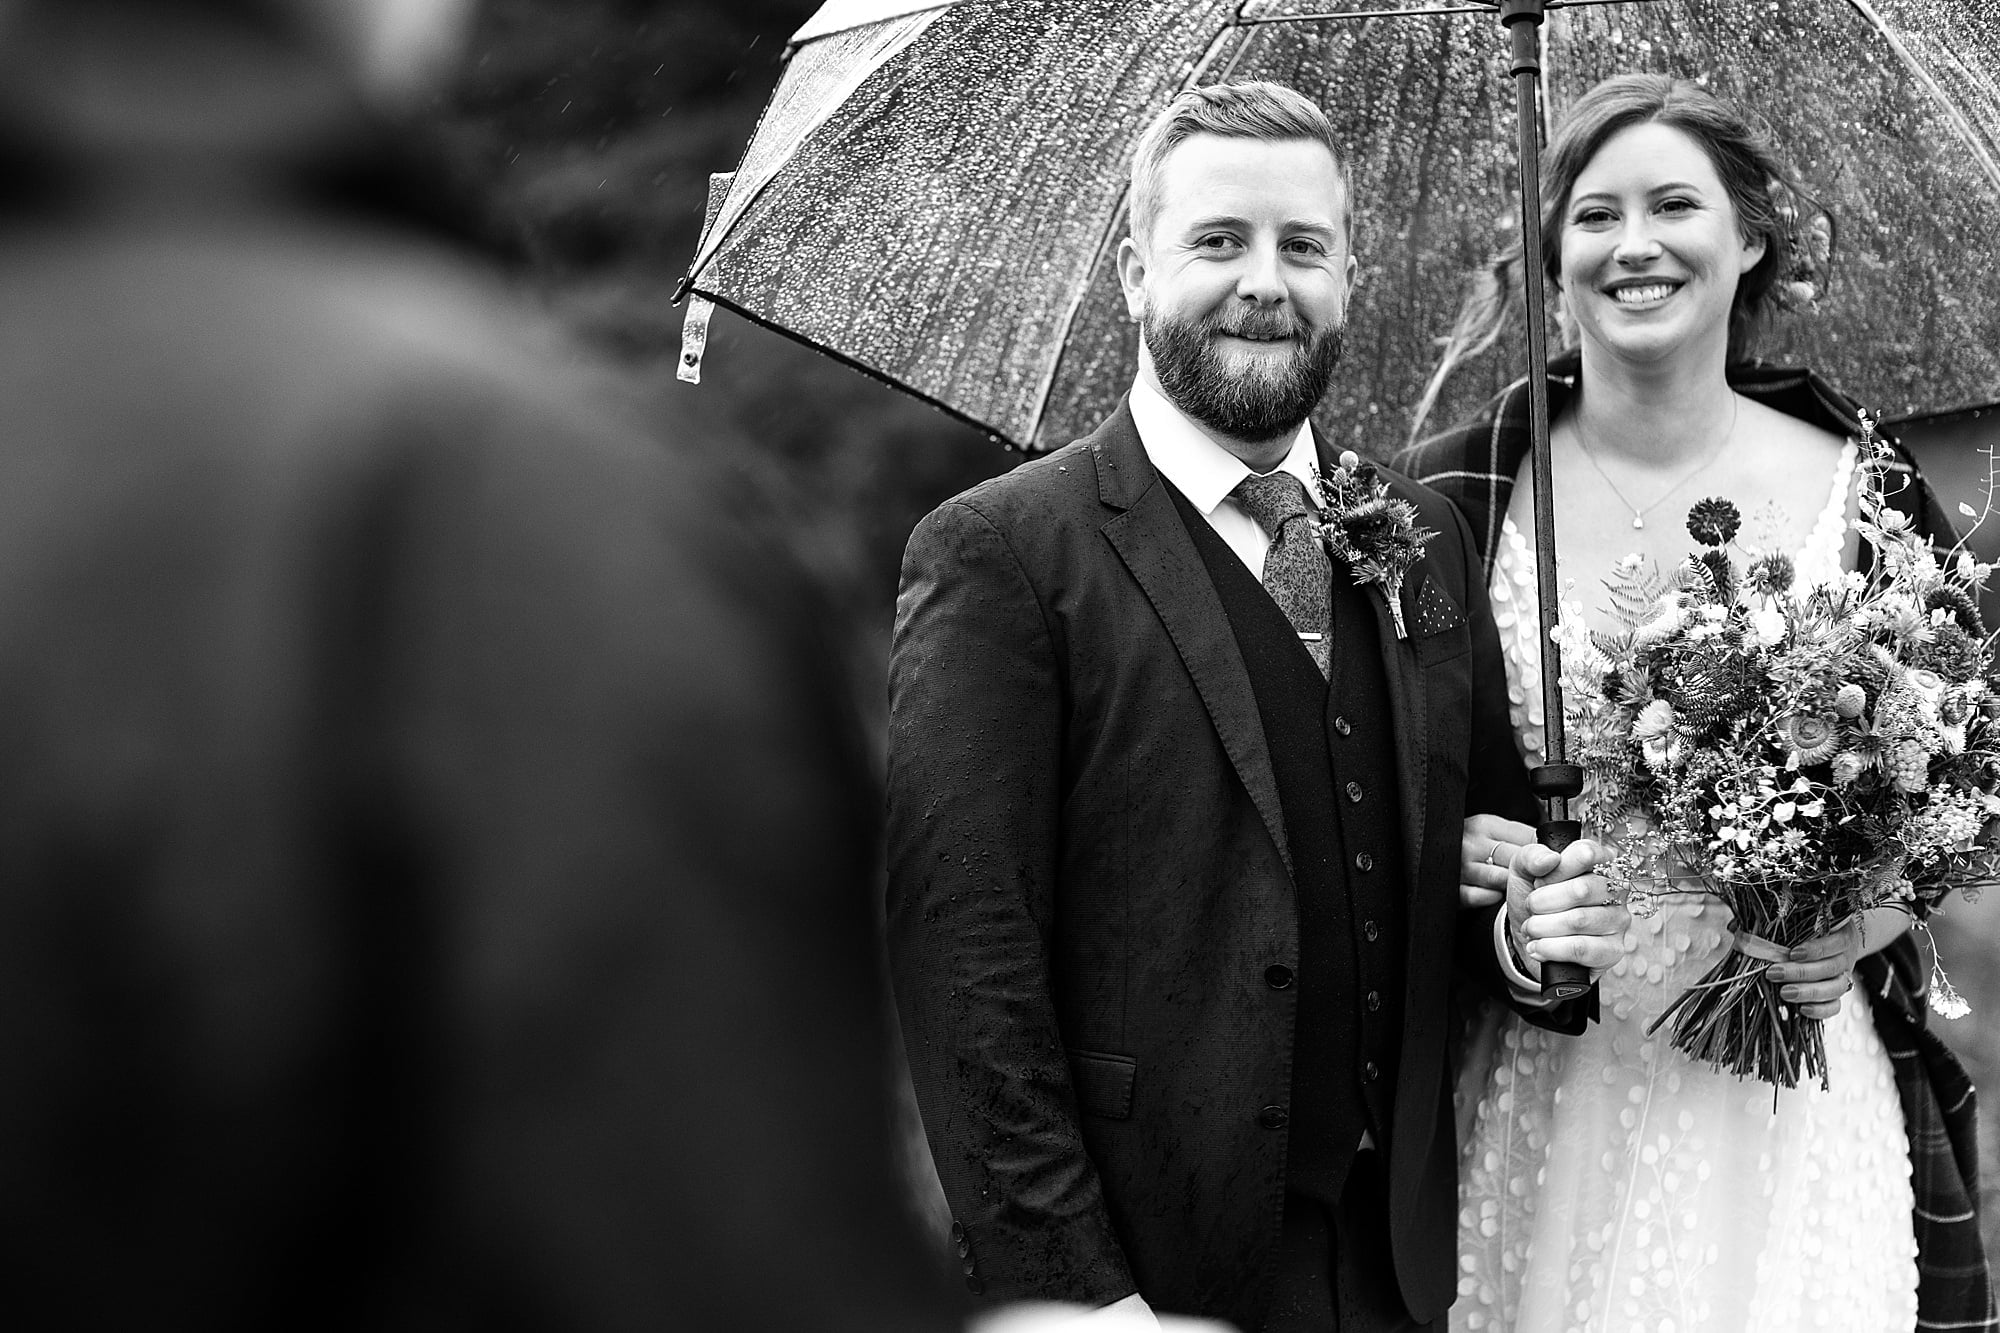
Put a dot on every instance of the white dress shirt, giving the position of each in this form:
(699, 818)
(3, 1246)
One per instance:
(1206, 473)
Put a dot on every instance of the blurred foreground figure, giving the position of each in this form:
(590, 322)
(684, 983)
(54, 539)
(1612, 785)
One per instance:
(435, 857)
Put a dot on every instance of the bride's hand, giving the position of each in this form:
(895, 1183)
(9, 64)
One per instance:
(1819, 972)
(1485, 850)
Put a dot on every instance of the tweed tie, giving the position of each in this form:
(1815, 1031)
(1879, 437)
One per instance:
(1296, 570)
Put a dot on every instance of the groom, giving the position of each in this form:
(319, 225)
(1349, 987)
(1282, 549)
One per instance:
(1175, 810)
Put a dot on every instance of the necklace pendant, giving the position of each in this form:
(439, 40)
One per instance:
(1638, 520)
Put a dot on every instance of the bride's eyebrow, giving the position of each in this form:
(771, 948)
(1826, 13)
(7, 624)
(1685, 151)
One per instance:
(1652, 192)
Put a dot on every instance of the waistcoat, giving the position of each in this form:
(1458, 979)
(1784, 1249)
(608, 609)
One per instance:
(1331, 742)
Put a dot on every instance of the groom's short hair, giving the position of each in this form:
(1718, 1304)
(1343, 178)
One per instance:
(1251, 110)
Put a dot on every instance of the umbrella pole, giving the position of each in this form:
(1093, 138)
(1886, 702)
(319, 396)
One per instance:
(1555, 782)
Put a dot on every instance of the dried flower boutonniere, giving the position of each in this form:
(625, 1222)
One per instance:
(1374, 533)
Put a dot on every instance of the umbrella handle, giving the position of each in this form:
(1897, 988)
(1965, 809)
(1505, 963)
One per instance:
(1562, 981)
(1556, 784)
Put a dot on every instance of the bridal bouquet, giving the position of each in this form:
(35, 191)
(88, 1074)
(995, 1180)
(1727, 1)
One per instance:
(1808, 752)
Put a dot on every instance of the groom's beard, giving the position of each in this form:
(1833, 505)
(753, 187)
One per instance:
(1258, 403)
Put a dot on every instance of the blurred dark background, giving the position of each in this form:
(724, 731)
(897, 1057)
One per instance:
(587, 129)
(583, 131)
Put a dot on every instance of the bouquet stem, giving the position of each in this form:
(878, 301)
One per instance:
(1733, 1019)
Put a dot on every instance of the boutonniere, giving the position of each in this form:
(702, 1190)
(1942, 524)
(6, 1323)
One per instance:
(1376, 534)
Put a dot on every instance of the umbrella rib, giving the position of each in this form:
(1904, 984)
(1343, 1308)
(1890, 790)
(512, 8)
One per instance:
(1424, 11)
(1966, 133)
(1326, 15)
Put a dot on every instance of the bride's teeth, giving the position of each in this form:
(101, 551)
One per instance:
(1637, 295)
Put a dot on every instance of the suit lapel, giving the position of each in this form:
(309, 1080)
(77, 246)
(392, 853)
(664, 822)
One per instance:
(1150, 538)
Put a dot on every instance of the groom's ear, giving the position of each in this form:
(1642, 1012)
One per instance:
(1132, 276)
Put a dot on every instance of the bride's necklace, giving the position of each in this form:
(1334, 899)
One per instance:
(1639, 512)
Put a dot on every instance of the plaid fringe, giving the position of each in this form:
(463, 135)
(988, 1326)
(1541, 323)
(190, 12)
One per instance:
(1474, 465)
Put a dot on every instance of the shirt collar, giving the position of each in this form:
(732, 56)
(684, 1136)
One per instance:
(1203, 470)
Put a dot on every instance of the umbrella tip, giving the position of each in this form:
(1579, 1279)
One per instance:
(694, 340)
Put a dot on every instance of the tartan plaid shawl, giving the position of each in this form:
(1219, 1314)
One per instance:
(1475, 466)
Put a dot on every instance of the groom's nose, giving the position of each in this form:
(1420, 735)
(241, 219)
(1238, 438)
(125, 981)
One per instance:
(1261, 278)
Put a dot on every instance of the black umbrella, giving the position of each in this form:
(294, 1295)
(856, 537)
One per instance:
(936, 191)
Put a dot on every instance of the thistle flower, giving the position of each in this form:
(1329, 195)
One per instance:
(1849, 701)
(1714, 521)
(1369, 522)
(1959, 603)
(1771, 574)
(1954, 653)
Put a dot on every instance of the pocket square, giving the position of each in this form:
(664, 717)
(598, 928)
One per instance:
(1436, 612)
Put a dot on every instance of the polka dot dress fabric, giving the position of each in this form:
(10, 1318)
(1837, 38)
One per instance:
(1608, 1184)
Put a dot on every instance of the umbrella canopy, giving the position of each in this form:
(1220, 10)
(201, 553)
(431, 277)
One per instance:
(936, 191)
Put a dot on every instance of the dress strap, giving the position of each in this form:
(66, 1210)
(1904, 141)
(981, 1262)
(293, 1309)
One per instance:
(1819, 559)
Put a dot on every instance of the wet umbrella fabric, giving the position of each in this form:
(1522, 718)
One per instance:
(936, 191)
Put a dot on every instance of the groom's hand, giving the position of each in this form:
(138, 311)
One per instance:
(1560, 911)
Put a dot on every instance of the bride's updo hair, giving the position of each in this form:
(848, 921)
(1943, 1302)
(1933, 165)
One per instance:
(1771, 204)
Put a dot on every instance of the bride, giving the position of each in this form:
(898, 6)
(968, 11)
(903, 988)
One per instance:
(1607, 1182)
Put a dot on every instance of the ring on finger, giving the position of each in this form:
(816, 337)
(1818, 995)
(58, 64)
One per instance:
(1492, 852)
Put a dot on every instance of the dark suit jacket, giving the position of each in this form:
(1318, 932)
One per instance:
(1088, 879)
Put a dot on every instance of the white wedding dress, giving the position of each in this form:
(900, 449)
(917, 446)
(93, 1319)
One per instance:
(1609, 1184)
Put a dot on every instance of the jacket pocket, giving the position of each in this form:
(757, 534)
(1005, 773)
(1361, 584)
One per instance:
(1438, 630)
(1444, 646)
(1103, 1083)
